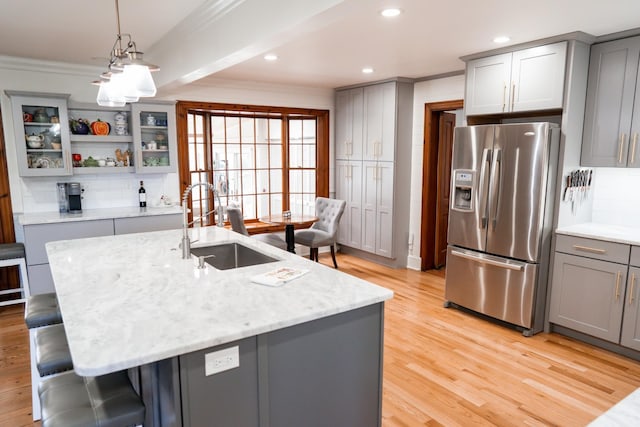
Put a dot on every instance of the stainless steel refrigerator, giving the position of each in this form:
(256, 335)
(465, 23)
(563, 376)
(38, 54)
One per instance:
(502, 195)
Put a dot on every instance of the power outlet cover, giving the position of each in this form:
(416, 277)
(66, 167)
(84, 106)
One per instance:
(221, 360)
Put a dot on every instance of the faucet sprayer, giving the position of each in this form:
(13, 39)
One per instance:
(186, 242)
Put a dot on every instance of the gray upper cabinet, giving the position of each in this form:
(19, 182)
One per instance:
(41, 128)
(349, 118)
(524, 80)
(612, 117)
(379, 122)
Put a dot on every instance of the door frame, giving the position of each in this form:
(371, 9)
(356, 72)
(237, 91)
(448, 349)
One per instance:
(8, 276)
(430, 178)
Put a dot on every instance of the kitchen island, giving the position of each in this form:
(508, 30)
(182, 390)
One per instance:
(309, 351)
(42, 227)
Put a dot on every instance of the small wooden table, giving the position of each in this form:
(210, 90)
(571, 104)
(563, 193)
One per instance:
(289, 225)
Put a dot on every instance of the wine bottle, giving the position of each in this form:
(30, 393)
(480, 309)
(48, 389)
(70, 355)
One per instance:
(142, 196)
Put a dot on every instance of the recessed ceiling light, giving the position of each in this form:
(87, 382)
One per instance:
(501, 39)
(391, 12)
(367, 70)
(270, 57)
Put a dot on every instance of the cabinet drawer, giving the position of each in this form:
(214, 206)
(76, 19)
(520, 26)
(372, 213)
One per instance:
(147, 223)
(592, 248)
(635, 256)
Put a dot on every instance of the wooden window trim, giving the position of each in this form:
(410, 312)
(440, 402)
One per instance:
(183, 108)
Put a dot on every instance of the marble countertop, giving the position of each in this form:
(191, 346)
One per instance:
(95, 214)
(624, 413)
(610, 233)
(131, 299)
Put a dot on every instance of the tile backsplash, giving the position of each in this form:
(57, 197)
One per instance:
(616, 197)
(100, 191)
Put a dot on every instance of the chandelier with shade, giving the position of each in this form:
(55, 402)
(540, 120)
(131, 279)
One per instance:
(128, 77)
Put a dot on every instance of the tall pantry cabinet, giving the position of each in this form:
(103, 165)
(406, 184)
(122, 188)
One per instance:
(373, 164)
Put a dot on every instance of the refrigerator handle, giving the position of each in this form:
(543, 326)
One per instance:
(495, 197)
(484, 186)
(488, 261)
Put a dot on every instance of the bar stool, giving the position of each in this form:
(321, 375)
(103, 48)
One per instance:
(42, 310)
(52, 350)
(40, 313)
(105, 401)
(13, 254)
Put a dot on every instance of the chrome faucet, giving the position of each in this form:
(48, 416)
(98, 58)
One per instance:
(186, 242)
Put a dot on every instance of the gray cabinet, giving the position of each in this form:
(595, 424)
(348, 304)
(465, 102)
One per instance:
(326, 372)
(596, 293)
(379, 122)
(41, 132)
(142, 224)
(154, 137)
(631, 321)
(612, 114)
(373, 134)
(588, 295)
(349, 188)
(349, 119)
(524, 80)
(227, 398)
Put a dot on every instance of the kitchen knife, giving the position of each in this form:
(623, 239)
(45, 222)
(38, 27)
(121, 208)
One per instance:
(566, 188)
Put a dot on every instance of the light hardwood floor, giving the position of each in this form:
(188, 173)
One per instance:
(441, 366)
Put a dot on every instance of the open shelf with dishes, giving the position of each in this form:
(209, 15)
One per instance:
(55, 138)
(101, 139)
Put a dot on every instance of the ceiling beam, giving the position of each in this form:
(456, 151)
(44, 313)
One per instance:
(223, 33)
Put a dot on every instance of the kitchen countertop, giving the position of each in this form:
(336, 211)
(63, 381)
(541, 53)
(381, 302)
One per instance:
(95, 214)
(624, 413)
(610, 233)
(129, 300)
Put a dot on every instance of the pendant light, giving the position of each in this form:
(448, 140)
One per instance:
(128, 76)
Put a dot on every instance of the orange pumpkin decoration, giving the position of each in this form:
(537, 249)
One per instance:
(100, 128)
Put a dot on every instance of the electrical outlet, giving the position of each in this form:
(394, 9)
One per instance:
(221, 360)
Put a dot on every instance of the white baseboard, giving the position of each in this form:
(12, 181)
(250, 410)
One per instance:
(414, 262)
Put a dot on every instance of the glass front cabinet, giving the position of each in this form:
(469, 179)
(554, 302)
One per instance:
(41, 128)
(154, 137)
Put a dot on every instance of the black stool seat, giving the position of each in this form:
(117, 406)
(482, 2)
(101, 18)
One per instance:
(68, 400)
(42, 310)
(11, 251)
(52, 350)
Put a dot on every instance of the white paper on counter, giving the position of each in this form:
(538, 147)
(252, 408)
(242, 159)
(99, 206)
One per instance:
(279, 276)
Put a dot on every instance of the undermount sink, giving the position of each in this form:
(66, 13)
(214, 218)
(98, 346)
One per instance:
(226, 256)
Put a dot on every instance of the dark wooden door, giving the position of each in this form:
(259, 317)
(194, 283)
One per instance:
(446, 124)
(8, 276)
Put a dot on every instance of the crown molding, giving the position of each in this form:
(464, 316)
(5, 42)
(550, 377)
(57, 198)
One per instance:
(36, 65)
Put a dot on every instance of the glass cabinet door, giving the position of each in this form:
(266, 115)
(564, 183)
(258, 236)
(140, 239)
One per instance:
(154, 136)
(42, 135)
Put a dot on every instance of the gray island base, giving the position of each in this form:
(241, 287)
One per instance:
(326, 372)
(208, 347)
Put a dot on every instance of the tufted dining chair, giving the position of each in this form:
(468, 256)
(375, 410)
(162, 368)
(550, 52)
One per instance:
(324, 231)
(237, 224)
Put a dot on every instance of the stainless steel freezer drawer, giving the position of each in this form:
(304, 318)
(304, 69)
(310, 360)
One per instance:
(495, 286)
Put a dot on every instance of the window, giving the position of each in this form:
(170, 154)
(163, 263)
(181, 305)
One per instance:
(263, 159)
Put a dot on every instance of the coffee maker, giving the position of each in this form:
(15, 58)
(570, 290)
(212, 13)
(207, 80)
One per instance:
(69, 197)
